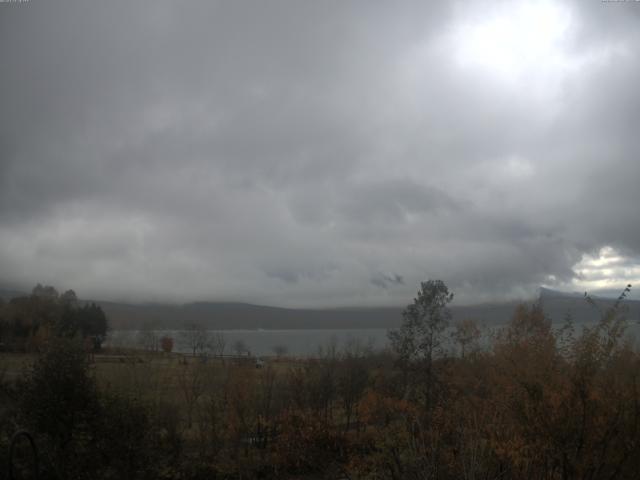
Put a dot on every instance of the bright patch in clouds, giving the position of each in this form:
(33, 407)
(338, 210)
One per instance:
(608, 270)
(515, 39)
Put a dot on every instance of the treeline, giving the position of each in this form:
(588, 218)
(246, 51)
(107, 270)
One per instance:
(537, 403)
(27, 323)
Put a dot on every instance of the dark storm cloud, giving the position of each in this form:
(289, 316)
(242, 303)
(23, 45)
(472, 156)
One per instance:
(310, 153)
(386, 281)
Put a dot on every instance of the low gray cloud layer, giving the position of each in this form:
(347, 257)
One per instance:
(315, 153)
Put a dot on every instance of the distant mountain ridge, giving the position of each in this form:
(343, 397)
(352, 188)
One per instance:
(228, 315)
(242, 316)
(549, 293)
(8, 294)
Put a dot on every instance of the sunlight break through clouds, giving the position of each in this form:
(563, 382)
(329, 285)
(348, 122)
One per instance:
(515, 39)
(607, 270)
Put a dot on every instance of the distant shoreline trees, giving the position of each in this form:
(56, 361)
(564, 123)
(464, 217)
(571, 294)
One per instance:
(29, 322)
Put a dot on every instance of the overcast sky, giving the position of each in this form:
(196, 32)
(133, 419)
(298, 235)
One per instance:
(319, 153)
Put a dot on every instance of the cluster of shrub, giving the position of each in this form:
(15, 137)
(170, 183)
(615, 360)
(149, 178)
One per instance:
(536, 403)
(28, 322)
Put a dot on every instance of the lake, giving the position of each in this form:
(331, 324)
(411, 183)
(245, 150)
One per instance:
(298, 342)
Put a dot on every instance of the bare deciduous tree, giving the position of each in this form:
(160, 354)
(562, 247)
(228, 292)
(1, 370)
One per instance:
(217, 344)
(196, 338)
(148, 338)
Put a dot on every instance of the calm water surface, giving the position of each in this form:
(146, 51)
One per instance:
(300, 342)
